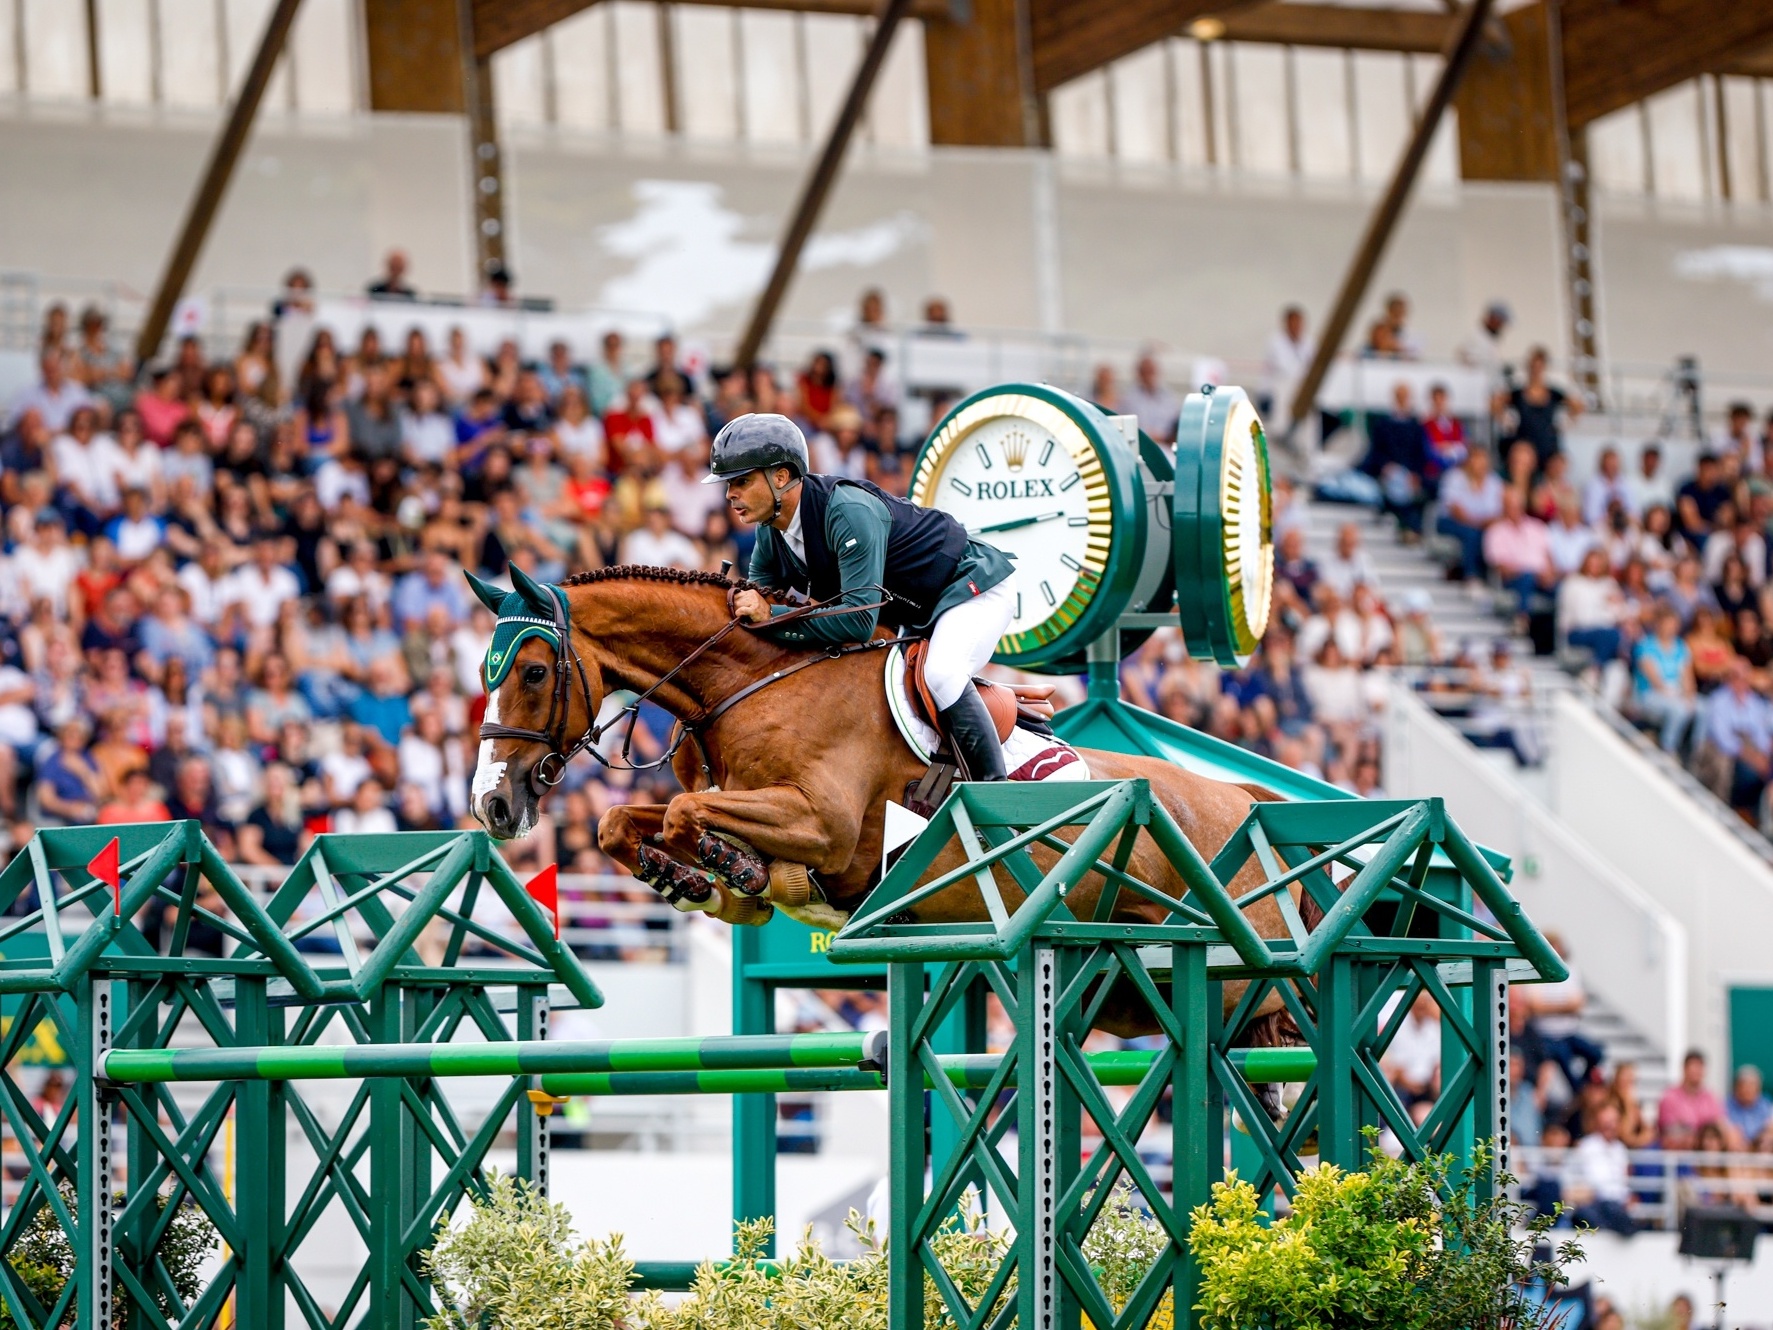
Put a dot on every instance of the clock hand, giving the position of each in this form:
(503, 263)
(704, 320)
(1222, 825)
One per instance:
(1017, 522)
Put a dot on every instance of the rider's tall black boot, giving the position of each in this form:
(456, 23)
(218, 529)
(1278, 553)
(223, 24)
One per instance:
(973, 737)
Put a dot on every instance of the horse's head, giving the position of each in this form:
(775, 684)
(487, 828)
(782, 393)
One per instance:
(541, 700)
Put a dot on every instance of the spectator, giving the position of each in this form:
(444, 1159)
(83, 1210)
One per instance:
(432, 583)
(1518, 548)
(1688, 1104)
(658, 544)
(366, 814)
(1446, 439)
(1284, 362)
(1634, 1128)
(382, 710)
(1483, 349)
(1407, 345)
(1350, 566)
(274, 832)
(1471, 501)
(1597, 1175)
(1555, 1017)
(1665, 689)
(604, 377)
(1412, 1062)
(260, 588)
(1739, 732)
(1157, 408)
(1534, 407)
(1397, 457)
(392, 284)
(1591, 608)
(69, 787)
(1568, 541)
(55, 397)
(1698, 500)
(1748, 1109)
(1607, 488)
(136, 802)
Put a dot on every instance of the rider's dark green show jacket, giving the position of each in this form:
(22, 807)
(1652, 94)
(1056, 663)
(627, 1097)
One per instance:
(860, 538)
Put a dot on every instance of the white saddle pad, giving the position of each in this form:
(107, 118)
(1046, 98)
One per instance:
(1026, 755)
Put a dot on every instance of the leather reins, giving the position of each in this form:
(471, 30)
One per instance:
(547, 773)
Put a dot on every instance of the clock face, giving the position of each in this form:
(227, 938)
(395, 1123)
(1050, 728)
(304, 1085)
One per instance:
(1224, 526)
(1028, 471)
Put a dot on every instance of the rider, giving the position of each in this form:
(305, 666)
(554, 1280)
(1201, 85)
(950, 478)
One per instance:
(845, 541)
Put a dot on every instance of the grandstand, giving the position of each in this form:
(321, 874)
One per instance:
(306, 306)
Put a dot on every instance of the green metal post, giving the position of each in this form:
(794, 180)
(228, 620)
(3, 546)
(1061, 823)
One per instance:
(754, 1115)
(416, 1151)
(259, 1167)
(532, 1127)
(1040, 1130)
(906, 1149)
(131, 1242)
(1197, 1104)
(1338, 1113)
(93, 1245)
(387, 1301)
(1490, 1118)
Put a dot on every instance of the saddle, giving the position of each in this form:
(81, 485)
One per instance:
(1010, 705)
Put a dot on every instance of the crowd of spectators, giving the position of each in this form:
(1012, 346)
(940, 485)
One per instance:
(234, 595)
(233, 592)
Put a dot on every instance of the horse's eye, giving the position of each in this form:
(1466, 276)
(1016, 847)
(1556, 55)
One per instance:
(535, 675)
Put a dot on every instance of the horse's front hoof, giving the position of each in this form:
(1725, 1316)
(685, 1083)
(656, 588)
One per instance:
(745, 911)
(791, 885)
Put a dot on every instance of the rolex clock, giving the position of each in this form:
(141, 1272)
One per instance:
(1223, 528)
(1047, 478)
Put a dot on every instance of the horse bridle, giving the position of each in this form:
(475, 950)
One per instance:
(548, 772)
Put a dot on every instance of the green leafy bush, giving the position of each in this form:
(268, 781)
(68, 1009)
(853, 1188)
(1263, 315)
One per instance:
(1397, 1247)
(43, 1259)
(1406, 1246)
(515, 1264)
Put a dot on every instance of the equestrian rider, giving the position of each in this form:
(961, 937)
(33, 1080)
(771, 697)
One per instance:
(841, 541)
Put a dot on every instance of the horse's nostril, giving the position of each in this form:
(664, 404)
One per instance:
(498, 809)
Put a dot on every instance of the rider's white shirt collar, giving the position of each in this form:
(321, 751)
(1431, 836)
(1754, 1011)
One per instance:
(793, 535)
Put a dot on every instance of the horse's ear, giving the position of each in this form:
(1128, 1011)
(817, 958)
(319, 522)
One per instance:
(490, 596)
(531, 590)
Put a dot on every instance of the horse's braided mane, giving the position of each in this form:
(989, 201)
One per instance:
(648, 573)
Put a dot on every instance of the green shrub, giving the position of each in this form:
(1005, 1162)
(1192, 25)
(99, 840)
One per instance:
(1405, 1246)
(43, 1259)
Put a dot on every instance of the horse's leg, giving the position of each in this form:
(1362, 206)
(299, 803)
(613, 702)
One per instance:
(630, 834)
(776, 822)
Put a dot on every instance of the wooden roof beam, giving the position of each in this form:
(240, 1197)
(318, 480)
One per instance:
(500, 23)
(1617, 54)
(1073, 37)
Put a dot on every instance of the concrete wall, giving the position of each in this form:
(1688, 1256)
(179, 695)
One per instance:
(1658, 836)
(1193, 260)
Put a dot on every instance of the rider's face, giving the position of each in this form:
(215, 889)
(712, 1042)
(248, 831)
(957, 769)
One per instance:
(750, 498)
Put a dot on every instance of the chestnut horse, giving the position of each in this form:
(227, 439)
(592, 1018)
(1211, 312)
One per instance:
(797, 773)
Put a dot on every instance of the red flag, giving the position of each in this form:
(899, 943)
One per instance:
(104, 867)
(544, 890)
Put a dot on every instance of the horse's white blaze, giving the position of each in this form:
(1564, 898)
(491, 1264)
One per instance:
(487, 773)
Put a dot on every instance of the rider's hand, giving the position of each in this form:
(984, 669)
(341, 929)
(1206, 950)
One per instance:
(751, 607)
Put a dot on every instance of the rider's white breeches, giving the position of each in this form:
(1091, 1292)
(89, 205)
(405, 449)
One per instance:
(963, 639)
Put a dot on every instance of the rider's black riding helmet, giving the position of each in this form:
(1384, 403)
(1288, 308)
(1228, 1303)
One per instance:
(757, 443)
